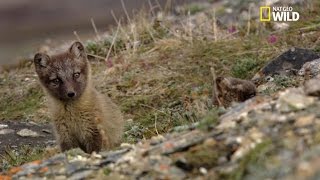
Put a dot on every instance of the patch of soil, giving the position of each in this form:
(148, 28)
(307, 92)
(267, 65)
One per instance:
(13, 140)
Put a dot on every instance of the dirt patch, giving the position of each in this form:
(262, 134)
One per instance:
(12, 140)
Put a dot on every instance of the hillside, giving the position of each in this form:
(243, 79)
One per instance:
(158, 70)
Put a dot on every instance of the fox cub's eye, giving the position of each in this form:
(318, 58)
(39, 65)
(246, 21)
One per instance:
(56, 81)
(76, 75)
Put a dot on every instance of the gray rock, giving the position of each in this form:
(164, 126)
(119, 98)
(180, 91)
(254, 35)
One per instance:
(293, 99)
(312, 87)
(27, 133)
(6, 131)
(81, 175)
(3, 126)
(311, 68)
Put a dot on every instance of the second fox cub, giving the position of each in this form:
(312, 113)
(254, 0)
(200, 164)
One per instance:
(232, 90)
(82, 117)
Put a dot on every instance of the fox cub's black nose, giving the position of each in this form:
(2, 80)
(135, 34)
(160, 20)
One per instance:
(71, 94)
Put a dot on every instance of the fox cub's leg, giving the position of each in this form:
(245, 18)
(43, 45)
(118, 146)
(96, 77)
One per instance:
(93, 142)
(65, 139)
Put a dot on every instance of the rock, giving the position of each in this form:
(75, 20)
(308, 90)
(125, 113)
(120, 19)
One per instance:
(27, 133)
(156, 139)
(6, 131)
(81, 175)
(46, 131)
(183, 164)
(293, 99)
(288, 62)
(266, 86)
(3, 126)
(310, 69)
(280, 26)
(305, 121)
(203, 170)
(312, 87)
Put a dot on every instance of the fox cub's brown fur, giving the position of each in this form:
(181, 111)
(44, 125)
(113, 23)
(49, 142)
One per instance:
(82, 117)
(232, 90)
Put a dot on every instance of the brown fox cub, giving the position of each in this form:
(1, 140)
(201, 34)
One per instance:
(82, 117)
(232, 90)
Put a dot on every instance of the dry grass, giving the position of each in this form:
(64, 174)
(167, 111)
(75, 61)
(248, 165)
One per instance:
(159, 68)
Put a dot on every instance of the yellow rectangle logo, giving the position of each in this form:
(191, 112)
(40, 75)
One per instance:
(265, 13)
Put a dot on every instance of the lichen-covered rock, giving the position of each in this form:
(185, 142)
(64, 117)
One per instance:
(310, 69)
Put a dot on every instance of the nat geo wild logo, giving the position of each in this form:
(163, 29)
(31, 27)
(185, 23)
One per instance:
(284, 14)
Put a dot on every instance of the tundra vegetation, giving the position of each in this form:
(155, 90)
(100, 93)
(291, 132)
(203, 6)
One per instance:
(157, 69)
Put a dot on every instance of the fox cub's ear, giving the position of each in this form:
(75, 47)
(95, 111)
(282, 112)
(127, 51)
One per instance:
(77, 49)
(41, 60)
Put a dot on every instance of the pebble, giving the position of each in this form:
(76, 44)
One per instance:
(203, 170)
(27, 133)
(312, 87)
(292, 100)
(311, 68)
(156, 140)
(305, 120)
(183, 164)
(3, 126)
(6, 131)
(81, 175)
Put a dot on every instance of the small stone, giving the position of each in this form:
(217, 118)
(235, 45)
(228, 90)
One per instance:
(292, 100)
(27, 133)
(280, 26)
(304, 169)
(312, 87)
(203, 170)
(129, 121)
(127, 145)
(210, 142)
(183, 164)
(256, 135)
(6, 131)
(156, 140)
(311, 68)
(46, 131)
(305, 121)
(3, 126)
(81, 175)
(94, 155)
(227, 124)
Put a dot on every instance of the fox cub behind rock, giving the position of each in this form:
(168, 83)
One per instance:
(82, 117)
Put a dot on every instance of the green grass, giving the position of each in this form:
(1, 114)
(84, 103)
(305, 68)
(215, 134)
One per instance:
(16, 106)
(245, 68)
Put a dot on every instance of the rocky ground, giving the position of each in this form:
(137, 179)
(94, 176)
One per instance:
(158, 72)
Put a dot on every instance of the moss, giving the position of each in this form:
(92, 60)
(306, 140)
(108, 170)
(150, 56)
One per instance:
(256, 157)
(209, 120)
(245, 68)
(285, 81)
(204, 155)
(107, 171)
(15, 106)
